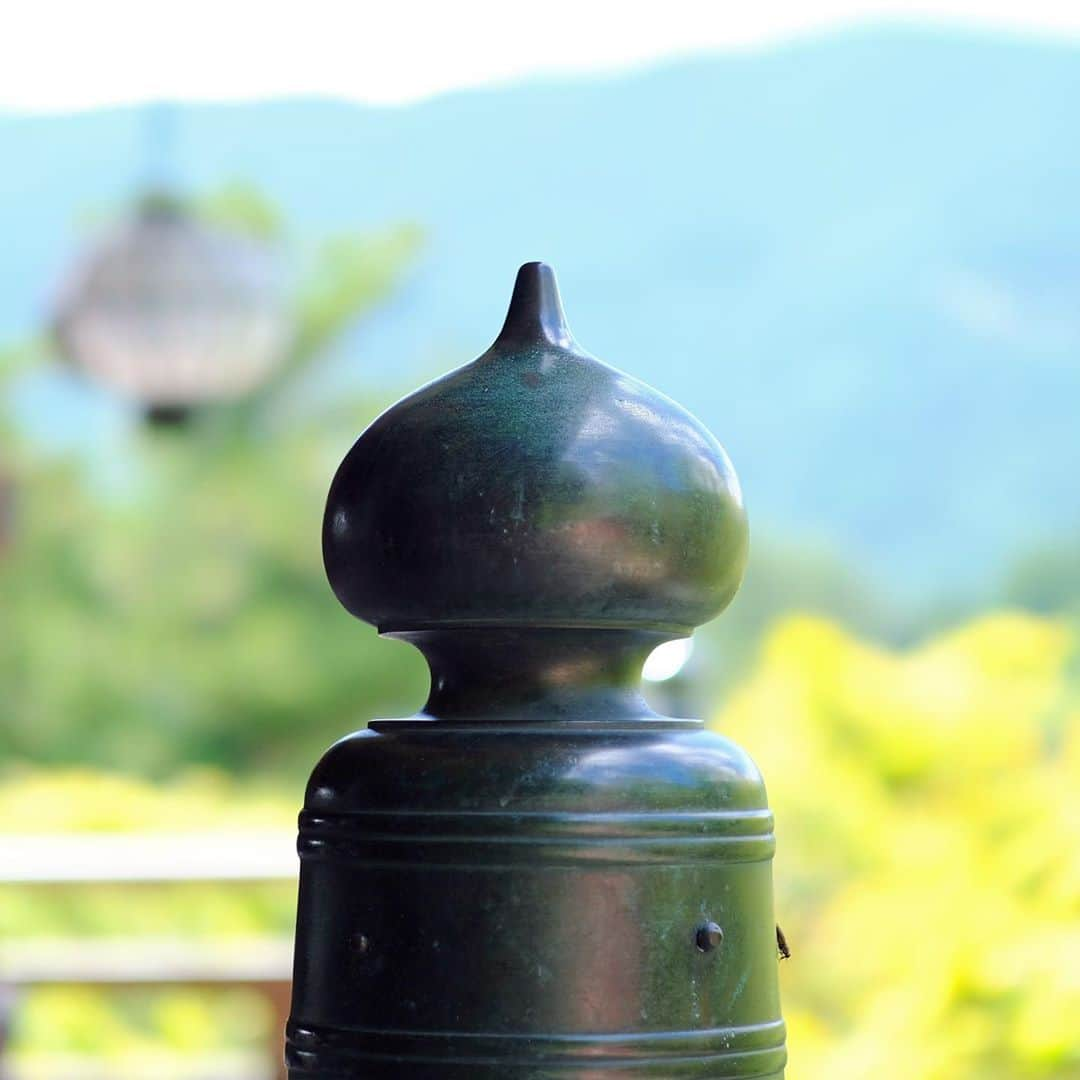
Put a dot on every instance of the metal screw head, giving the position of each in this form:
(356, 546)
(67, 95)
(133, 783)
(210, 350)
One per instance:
(709, 936)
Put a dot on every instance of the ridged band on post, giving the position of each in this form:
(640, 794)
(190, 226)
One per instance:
(537, 876)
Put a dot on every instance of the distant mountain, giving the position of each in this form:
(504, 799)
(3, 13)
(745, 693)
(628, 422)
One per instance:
(857, 258)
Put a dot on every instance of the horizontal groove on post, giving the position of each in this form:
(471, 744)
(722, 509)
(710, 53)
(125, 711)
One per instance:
(450, 839)
(730, 1052)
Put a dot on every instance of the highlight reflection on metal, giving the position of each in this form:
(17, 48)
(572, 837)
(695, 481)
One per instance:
(667, 660)
(171, 313)
(548, 879)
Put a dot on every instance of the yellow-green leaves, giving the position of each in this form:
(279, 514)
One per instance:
(928, 872)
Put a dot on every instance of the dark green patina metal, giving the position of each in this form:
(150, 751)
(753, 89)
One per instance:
(536, 876)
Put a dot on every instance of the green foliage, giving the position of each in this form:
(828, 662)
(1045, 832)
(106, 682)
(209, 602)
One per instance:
(928, 880)
(14, 362)
(182, 615)
(1047, 579)
(190, 622)
(136, 1034)
(784, 579)
(242, 208)
(350, 271)
(77, 800)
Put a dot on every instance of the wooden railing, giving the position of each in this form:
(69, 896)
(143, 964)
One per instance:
(259, 964)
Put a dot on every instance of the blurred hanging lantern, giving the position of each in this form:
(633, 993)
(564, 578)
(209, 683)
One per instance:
(173, 313)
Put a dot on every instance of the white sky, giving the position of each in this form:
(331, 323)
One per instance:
(80, 54)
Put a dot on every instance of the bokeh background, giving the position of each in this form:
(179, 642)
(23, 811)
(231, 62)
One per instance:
(849, 243)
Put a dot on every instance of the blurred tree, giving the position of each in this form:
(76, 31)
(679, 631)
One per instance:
(187, 619)
(785, 579)
(925, 876)
(1046, 579)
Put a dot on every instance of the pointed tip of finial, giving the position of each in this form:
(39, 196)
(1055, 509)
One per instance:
(536, 312)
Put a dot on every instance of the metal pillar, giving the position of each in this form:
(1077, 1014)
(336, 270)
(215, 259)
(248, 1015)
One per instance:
(535, 877)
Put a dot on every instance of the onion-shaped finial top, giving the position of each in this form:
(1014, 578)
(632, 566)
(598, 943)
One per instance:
(536, 486)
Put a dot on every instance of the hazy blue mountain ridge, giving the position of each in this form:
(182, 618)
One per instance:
(856, 258)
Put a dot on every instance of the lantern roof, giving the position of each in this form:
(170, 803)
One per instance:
(535, 486)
